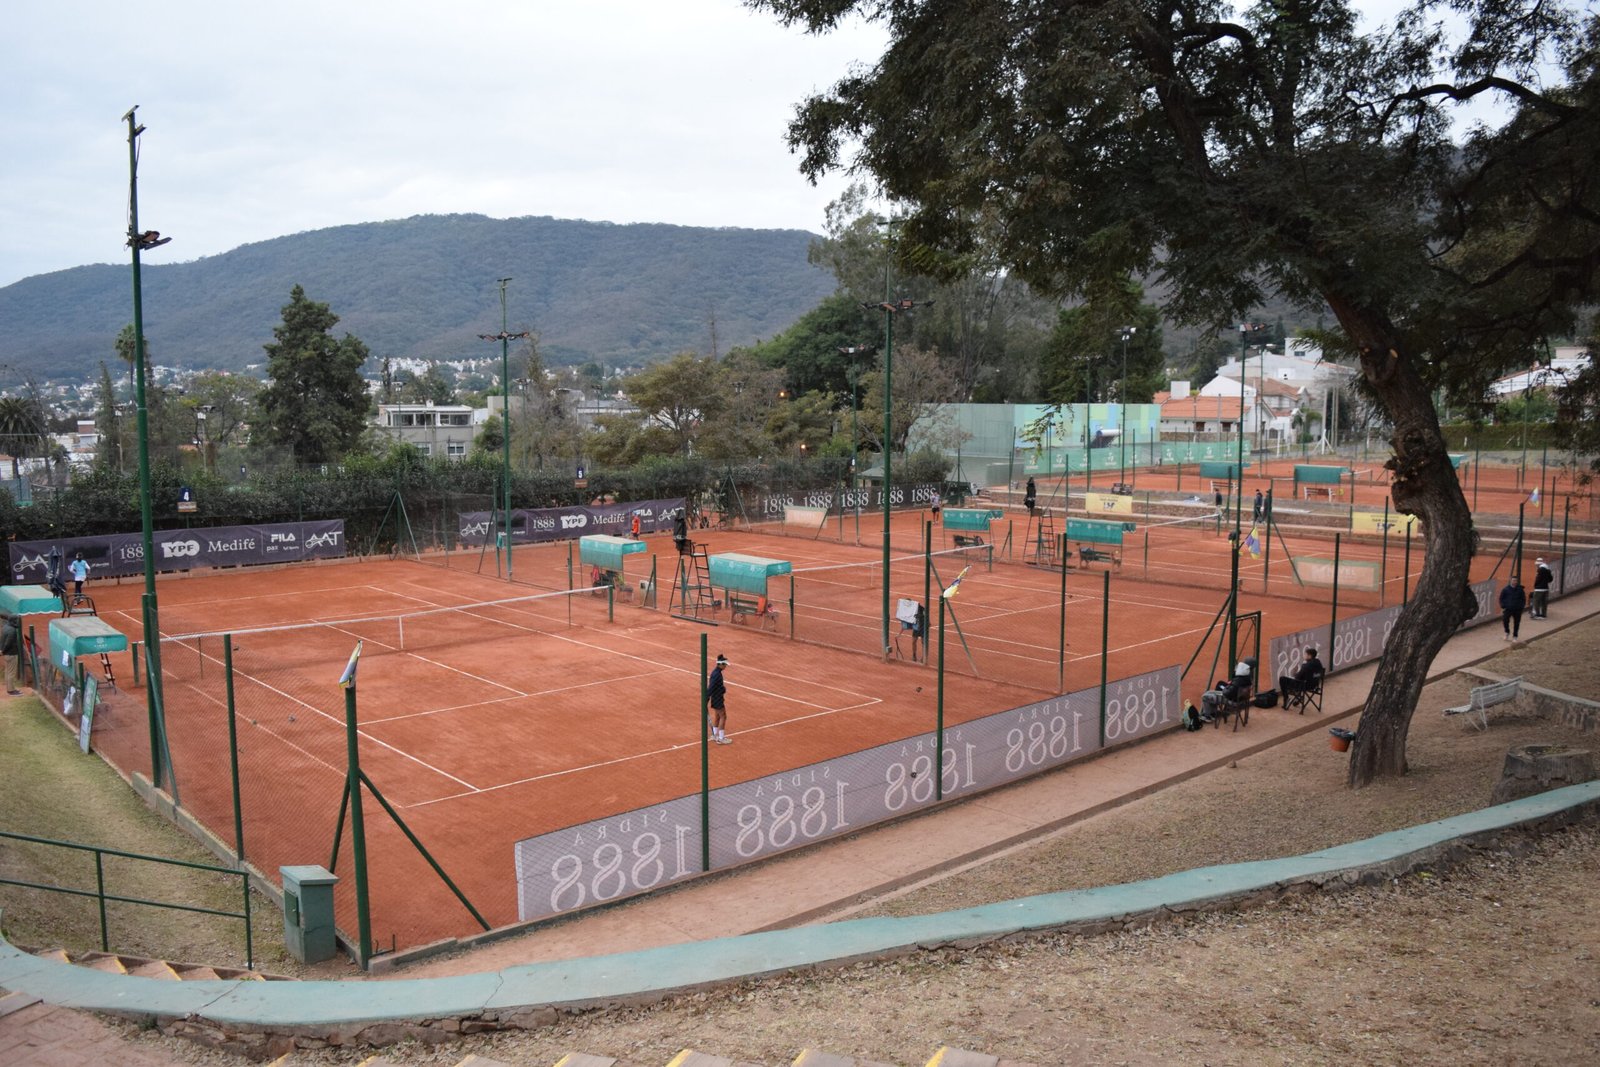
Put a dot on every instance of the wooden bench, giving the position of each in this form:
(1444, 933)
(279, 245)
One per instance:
(745, 607)
(1122, 488)
(1088, 555)
(1485, 697)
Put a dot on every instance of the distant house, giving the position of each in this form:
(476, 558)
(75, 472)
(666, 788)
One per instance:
(1215, 414)
(1566, 363)
(433, 429)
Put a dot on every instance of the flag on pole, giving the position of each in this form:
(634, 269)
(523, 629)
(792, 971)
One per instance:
(347, 680)
(955, 586)
(1534, 499)
(1252, 544)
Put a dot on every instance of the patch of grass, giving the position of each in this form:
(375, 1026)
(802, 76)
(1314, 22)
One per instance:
(51, 789)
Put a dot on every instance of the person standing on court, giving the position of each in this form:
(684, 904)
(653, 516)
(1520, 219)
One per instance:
(1030, 496)
(1539, 603)
(1512, 600)
(636, 526)
(717, 697)
(1255, 509)
(680, 533)
(11, 651)
(80, 574)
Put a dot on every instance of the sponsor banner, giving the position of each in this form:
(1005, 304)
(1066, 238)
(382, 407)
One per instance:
(1579, 570)
(122, 555)
(530, 525)
(1375, 522)
(1358, 575)
(1363, 638)
(609, 858)
(762, 507)
(1285, 653)
(1488, 604)
(1108, 503)
(650, 847)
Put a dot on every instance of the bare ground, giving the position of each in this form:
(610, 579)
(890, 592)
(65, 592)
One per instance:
(1497, 961)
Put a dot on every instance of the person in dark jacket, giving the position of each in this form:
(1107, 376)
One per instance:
(1539, 602)
(717, 696)
(1513, 599)
(11, 651)
(680, 533)
(1305, 678)
(1030, 496)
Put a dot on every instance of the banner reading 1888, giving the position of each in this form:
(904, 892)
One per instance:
(655, 846)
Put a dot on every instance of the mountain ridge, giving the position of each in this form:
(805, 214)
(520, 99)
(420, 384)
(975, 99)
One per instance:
(609, 292)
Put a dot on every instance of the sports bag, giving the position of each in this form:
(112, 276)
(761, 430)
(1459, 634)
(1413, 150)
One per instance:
(1268, 699)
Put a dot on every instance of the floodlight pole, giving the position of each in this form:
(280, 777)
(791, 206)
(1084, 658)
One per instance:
(853, 372)
(505, 412)
(1122, 397)
(889, 308)
(137, 242)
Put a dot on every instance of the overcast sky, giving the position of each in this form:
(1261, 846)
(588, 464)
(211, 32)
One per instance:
(275, 118)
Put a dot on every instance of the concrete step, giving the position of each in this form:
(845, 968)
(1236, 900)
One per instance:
(155, 969)
(11, 1002)
(583, 1059)
(102, 961)
(813, 1058)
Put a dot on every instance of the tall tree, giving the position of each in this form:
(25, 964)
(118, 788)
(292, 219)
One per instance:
(1281, 150)
(316, 403)
(22, 429)
(678, 397)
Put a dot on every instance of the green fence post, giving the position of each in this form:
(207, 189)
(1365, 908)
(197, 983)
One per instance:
(1405, 587)
(100, 896)
(1566, 518)
(1061, 648)
(233, 749)
(358, 832)
(927, 575)
(1105, 645)
(938, 734)
(705, 762)
(1383, 563)
(1333, 629)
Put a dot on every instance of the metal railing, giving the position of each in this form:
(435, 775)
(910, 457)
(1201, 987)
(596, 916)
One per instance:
(101, 896)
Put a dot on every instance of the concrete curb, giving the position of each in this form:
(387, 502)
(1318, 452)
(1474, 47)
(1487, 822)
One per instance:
(307, 1014)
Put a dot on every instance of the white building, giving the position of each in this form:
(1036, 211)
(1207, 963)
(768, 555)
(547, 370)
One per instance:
(1566, 363)
(434, 429)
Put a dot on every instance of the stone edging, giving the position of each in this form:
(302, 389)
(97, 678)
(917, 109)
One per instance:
(261, 1019)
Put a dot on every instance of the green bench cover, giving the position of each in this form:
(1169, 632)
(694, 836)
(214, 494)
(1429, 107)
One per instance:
(745, 574)
(968, 519)
(1319, 474)
(82, 635)
(28, 600)
(606, 550)
(1094, 532)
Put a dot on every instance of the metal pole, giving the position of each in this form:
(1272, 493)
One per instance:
(888, 449)
(1105, 645)
(233, 750)
(1565, 519)
(1405, 587)
(938, 743)
(927, 581)
(1061, 650)
(1383, 564)
(1516, 562)
(505, 418)
(358, 832)
(1333, 628)
(137, 241)
(705, 762)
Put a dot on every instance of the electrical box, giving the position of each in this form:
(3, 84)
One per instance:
(308, 931)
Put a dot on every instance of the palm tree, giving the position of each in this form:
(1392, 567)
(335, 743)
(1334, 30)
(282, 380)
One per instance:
(22, 428)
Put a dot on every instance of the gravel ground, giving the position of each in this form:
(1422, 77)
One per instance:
(1497, 961)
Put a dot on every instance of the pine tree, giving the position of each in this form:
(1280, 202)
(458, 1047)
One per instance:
(317, 402)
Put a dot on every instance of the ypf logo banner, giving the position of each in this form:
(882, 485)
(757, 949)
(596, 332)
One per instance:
(179, 549)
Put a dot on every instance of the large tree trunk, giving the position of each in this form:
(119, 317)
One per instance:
(1425, 485)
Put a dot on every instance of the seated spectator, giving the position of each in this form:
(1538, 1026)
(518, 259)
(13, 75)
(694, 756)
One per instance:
(1306, 676)
(1215, 702)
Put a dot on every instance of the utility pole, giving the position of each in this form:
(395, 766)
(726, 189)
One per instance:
(505, 412)
(853, 372)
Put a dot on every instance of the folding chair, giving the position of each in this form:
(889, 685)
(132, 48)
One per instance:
(1302, 699)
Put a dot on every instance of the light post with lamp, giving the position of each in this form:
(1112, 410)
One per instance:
(141, 241)
(889, 308)
(853, 374)
(505, 413)
(1246, 330)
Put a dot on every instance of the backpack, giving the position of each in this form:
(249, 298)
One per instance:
(1268, 699)
(1191, 717)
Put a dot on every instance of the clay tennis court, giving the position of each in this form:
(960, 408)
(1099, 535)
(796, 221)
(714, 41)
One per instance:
(495, 711)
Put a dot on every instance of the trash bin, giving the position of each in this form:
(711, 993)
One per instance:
(308, 912)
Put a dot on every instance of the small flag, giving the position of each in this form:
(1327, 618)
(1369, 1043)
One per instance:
(955, 586)
(1534, 499)
(1252, 544)
(348, 679)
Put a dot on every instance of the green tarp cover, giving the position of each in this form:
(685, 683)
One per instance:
(1457, 459)
(1318, 474)
(606, 550)
(1213, 469)
(745, 574)
(968, 518)
(28, 600)
(82, 635)
(1097, 533)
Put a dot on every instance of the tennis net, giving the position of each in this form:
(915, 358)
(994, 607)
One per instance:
(192, 655)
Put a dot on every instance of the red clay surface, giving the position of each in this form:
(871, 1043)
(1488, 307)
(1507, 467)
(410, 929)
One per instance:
(493, 725)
